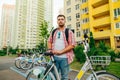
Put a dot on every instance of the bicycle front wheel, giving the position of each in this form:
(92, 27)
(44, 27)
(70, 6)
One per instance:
(38, 74)
(103, 76)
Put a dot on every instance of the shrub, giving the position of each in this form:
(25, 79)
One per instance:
(79, 53)
(118, 54)
(112, 54)
(2, 53)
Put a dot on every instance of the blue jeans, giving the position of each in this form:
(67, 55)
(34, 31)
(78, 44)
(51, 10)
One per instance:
(62, 66)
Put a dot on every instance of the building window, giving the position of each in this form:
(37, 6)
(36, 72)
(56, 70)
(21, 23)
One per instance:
(78, 24)
(78, 15)
(85, 20)
(68, 10)
(116, 12)
(68, 2)
(78, 34)
(77, 7)
(69, 18)
(69, 26)
(115, 0)
(117, 25)
(76, 0)
(83, 1)
(85, 10)
(86, 31)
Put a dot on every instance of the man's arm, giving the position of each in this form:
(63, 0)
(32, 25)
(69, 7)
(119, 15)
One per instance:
(49, 44)
(68, 48)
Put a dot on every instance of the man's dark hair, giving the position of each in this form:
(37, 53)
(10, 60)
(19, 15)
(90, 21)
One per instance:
(60, 15)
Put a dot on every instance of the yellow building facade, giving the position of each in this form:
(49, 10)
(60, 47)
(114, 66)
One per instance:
(102, 18)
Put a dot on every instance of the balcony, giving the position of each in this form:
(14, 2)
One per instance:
(84, 16)
(102, 35)
(84, 5)
(85, 26)
(117, 31)
(101, 11)
(116, 4)
(101, 21)
(97, 3)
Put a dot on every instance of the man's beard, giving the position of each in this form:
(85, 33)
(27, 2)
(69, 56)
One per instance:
(61, 25)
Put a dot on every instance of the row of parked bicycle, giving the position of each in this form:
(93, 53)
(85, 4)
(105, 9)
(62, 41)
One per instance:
(32, 61)
(28, 60)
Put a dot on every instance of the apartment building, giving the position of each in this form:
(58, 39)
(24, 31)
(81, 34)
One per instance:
(48, 12)
(20, 23)
(72, 13)
(29, 16)
(102, 18)
(7, 25)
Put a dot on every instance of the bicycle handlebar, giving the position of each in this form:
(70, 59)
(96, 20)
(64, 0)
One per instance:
(48, 53)
(85, 43)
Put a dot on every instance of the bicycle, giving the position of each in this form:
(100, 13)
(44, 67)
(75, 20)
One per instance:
(45, 73)
(99, 75)
(18, 59)
(28, 63)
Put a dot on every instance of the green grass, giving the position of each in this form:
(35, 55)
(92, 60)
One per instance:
(76, 65)
(113, 68)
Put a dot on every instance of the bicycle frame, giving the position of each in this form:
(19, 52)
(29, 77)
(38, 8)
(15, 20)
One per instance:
(52, 66)
(87, 65)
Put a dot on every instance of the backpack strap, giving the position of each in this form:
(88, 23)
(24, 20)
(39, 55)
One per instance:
(53, 32)
(66, 33)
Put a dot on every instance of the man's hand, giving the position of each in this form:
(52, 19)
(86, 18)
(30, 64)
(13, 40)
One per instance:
(49, 50)
(57, 52)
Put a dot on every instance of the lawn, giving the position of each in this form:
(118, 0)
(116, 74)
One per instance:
(113, 68)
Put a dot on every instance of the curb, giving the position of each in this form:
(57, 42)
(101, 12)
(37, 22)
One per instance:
(18, 72)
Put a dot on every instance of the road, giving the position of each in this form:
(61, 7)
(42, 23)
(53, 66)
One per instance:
(5, 72)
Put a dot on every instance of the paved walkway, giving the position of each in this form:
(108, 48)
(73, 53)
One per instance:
(5, 72)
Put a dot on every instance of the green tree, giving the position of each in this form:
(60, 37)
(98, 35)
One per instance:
(43, 32)
(14, 51)
(78, 50)
(92, 41)
(92, 45)
(103, 46)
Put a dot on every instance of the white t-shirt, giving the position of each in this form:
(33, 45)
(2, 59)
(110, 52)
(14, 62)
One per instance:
(59, 44)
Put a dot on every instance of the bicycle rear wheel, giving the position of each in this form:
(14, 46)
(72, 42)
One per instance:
(17, 62)
(25, 64)
(38, 74)
(103, 76)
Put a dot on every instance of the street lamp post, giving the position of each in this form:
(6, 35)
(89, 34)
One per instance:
(8, 47)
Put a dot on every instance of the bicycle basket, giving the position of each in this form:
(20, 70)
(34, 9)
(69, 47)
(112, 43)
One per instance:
(100, 60)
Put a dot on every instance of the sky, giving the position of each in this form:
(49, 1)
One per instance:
(57, 4)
